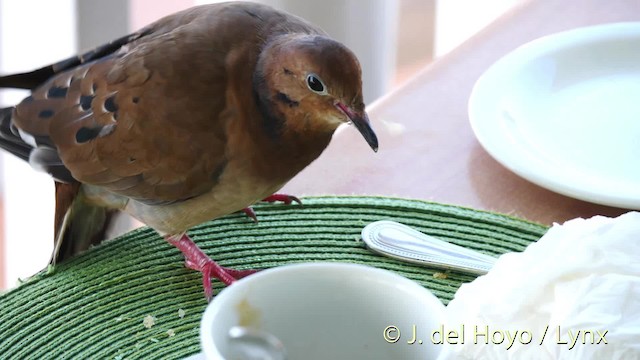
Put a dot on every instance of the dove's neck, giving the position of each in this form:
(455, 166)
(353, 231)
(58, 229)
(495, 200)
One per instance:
(288, 149)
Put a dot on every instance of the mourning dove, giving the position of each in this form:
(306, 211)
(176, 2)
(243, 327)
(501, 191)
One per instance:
(198, 115)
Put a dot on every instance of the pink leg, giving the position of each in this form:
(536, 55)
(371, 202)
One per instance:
(199, 261)
(286, 199)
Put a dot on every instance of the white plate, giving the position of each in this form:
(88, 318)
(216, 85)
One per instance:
(563, 111)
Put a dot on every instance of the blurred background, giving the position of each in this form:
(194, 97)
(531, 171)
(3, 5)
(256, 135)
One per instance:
(394, 39)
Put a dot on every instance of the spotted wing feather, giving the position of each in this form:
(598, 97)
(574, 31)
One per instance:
(139, 121)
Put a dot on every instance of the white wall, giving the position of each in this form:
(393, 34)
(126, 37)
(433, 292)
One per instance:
(458, 20)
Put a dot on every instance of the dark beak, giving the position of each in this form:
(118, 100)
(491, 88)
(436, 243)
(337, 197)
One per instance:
(361, 121)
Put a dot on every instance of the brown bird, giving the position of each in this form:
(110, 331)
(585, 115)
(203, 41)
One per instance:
(198, 115)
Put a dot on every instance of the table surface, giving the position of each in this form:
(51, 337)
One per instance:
(427, 148)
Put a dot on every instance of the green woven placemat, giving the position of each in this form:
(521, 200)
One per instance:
(93, 306)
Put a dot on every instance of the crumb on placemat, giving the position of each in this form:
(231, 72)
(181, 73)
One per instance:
(149, 321)
(440, 275)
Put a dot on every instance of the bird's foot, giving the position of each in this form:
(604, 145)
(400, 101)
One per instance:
(284, 198)
(197, 260)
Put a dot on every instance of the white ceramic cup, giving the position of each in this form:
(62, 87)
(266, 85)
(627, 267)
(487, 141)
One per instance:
(327, 311)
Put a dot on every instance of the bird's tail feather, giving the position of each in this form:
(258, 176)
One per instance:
(41, 157)
(10, 139)
(29, 80)
(78, 224)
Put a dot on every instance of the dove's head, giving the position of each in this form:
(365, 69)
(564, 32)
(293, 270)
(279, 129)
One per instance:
(313, 83)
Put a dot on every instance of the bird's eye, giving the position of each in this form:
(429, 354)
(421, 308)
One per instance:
(316, 85)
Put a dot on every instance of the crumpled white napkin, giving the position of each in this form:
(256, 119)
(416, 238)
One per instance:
(574, 294)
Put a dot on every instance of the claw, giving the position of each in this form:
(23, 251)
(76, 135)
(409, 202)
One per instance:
(251, 214)
(284, 198)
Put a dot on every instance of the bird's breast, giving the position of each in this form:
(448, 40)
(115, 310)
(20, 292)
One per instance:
(236, 190)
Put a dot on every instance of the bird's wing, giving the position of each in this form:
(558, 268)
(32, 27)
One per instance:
(144, 119)
(146, 116)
